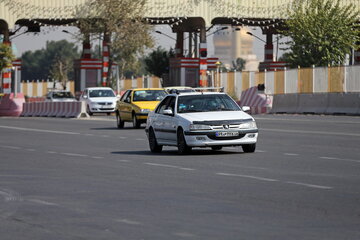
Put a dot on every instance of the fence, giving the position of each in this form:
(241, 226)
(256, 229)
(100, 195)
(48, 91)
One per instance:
(302, 80)
(40, 88)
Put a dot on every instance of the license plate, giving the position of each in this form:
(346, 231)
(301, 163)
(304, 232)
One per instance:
(227, 134)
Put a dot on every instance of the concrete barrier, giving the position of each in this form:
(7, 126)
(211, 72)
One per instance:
(285, 103)
(11, 105)
(343, 103)
(312, 103)
(55, 109)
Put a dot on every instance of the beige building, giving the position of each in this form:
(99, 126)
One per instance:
(234, 43)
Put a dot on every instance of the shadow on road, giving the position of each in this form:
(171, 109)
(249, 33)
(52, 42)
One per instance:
(195, 152)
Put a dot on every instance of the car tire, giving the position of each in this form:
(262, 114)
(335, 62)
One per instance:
(183, 148)
(249, 148)
(216, 148)
(136, 122)
(88, 110)
(119, 122)
(154, 146)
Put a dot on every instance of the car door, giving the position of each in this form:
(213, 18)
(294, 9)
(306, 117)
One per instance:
(168, 121)
(157, 120)
(124, 106)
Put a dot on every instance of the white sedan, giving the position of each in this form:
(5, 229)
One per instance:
(204, 119)
(99, 100)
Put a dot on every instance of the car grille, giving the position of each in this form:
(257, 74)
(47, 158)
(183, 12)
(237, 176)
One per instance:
(225, 126)
(105, 103)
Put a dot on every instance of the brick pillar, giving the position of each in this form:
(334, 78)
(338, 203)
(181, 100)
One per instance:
(86, 48)
(179, 48)
(6, 73)
(357, 56)
(269, 49)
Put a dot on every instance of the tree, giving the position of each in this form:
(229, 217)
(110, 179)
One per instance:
(322, 32)
(41, 64)
(238, 64)
(123, 28)
(6, 56)
(157, 62)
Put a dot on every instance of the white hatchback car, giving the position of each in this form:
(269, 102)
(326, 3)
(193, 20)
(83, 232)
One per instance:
(206, 119)
(99, 100)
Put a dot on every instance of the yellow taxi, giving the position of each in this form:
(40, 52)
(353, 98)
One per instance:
(135, 105)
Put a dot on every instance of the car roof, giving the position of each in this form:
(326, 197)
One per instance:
(178, 87)
(142, 89)
(198, 93)
(98, 88)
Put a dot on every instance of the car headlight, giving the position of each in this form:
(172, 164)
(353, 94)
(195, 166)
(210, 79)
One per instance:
(145, 110)
(194, 127)
(248, 125)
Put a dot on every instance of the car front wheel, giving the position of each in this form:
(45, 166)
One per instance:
(119, 122)
(183, 148)
(136, 122)
(249, 148)
(88, 111)
(154, 146)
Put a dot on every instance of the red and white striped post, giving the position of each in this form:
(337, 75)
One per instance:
(203, 65)
(203, 58)
(105, 63)
(269, 48)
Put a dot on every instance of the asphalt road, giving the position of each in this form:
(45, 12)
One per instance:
(85, 179)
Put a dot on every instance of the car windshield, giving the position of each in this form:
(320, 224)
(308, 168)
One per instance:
(148, 95)
(101, 93)
(206, 103)
(62, 95)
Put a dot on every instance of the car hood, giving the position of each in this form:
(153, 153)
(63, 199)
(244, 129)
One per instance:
(147, 104)
(216, 116)
(103, 99)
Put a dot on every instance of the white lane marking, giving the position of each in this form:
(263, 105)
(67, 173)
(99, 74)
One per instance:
(88, 134)
(30, 150)
(123, 160)
(310, 185)
(260, 151)
(74, 154)
(340, 159)
(127, 221)
(291, 154)
(39, 130)
(123, 137)
(311, 132)
(95, 157)
(247, 176)
(169, 166)
(105, 136)
(184, 234)
(43, 202)
(10, 147)
(140, 139)
(51, 152)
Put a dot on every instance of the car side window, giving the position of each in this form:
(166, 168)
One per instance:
(124, 96)
(128, 97)
(162, 105)
(171, 104)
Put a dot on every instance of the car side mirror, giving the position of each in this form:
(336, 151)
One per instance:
(246, 108)
(168, 112)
